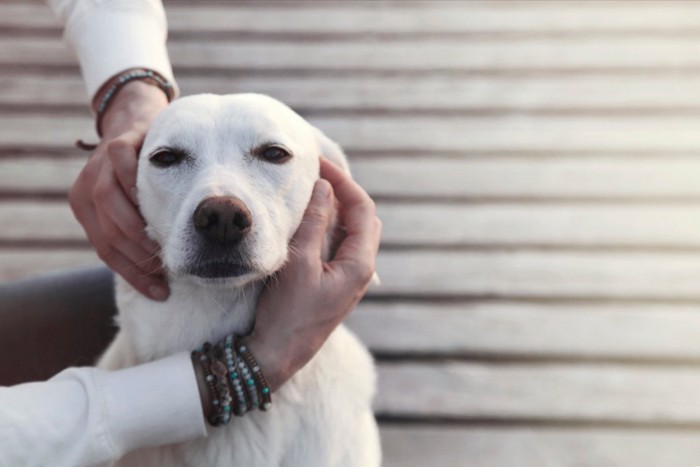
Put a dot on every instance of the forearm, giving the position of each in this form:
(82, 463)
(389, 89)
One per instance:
(109, 37)
(86, 416)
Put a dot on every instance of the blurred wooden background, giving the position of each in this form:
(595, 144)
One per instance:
(537, 168)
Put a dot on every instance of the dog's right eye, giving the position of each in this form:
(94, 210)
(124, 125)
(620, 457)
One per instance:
(165, 158)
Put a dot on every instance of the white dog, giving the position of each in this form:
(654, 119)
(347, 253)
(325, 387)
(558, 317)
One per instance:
(252, 158)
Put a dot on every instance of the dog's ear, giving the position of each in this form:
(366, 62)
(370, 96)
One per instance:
(331, 150)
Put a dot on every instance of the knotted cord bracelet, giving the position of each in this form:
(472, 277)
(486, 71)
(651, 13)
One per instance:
(104, 96)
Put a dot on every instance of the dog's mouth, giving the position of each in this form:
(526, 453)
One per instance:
(219, 270)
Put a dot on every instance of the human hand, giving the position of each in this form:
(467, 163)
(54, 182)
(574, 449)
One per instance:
(103, 197)
(310, 297)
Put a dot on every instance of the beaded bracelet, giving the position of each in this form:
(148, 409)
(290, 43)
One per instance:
(259, 382)
(108, 90)
(220, 371)
(201, 355)
(229, 371)
(248, 382)
(241, 406)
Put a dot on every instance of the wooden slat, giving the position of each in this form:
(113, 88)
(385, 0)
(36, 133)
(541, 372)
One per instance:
(428, 55)
(477, 178)
(523, 178)
(406, 17)
(568, 94)
(492, 225)
(17, 263)
(38, 221)
(540, 392)
(531, 446)
(527, 273)
(424, 55)
(592, 225)
(649, 276)
(506, 330)
(421, 133)
(40, 174)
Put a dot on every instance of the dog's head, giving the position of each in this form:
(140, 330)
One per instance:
(223, 182)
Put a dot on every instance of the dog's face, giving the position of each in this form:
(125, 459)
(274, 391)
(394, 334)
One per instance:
(223, 182)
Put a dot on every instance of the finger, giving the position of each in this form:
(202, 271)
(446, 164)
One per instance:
(124, 161)
(309, 237)
(121, 225)
(151, 285)
(357, 255)
(358, 211)
(356, 207)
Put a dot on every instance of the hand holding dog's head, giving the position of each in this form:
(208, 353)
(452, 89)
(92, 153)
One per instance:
(223, 182)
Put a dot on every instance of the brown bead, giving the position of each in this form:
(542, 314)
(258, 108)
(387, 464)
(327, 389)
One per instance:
(219, 369)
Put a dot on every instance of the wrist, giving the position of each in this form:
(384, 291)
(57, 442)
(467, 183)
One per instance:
(136, 104)
(277, 365)
(202, 385)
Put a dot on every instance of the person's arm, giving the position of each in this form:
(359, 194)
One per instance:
(90, 417)
(108, 38)
(87, 416)
(111, 36)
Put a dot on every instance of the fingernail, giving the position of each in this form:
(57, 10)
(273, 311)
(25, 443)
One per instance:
(321, 189)
(158, 292)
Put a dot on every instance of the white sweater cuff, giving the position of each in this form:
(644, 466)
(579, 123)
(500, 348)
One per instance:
(152, 404)
(127, 35)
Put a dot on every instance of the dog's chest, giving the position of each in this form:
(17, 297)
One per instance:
(191, 316)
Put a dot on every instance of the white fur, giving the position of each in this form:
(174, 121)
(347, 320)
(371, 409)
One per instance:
(322, 416)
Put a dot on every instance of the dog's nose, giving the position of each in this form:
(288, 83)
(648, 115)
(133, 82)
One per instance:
(222, 219)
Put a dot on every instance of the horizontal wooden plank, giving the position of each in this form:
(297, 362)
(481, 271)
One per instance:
(477, 177)
(40, 174)
(529, 224)
(435, 54)
(531, 446)
(408, 54)
(520, 273)
(423, 133)
(491, 225)
(18, 263)
(39, 221)
(566, 94)
(514, 330)
(540, 392)
(532, 273)
(406, 17)
(560, 176)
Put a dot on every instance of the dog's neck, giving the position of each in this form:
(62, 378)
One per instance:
(192, 315)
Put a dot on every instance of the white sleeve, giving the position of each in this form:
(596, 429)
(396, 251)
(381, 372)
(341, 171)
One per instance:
(87, 416)
(112, 36)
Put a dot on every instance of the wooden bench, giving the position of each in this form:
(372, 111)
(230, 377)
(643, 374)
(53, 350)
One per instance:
(537, 168)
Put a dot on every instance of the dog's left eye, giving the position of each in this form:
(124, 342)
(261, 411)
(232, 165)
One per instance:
(274, 154)
(165, 158)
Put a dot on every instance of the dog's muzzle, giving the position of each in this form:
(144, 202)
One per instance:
(224, 220)
(221, 223)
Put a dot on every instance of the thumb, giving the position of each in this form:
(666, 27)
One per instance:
(308, 239)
